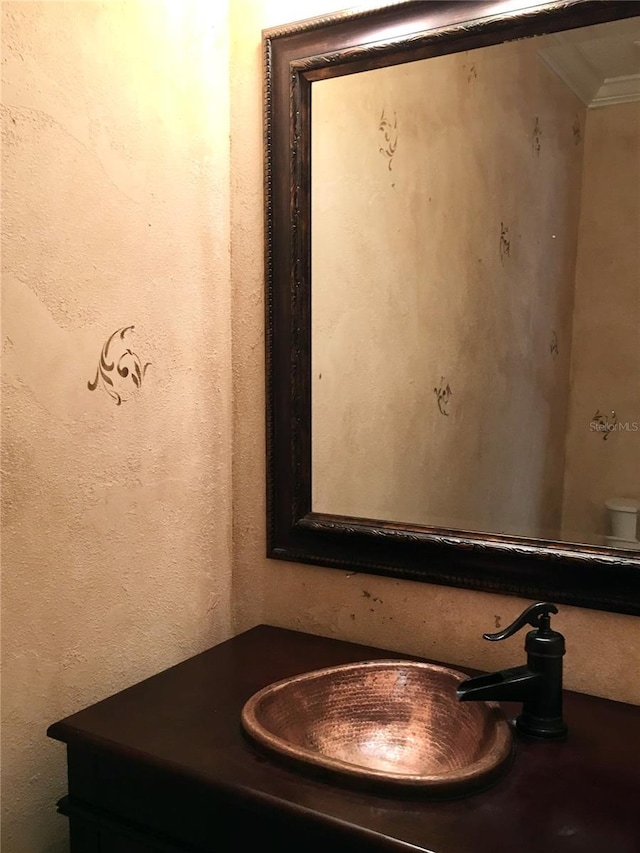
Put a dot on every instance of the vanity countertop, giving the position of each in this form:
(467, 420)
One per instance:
(166, 753)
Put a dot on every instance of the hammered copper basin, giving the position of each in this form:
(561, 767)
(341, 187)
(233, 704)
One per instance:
(398, 723)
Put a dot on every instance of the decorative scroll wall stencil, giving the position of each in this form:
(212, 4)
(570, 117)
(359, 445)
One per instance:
(472, 73)
(389, 130)
(443, 395)
(605, 424)
(120, 371)
(577, 131)
(536, 137)
(505, 242)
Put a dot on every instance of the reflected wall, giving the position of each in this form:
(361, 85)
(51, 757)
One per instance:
(446, 202)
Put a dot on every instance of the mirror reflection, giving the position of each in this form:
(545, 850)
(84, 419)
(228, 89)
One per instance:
(476, 289)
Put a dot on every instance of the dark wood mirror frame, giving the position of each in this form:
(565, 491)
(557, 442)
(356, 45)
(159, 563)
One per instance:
(345, 43)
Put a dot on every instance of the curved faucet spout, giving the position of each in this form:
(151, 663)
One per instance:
(517, 684)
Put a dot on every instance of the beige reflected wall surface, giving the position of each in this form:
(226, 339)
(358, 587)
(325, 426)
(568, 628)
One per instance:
(445, 198)
(116, 546)
(606, 327)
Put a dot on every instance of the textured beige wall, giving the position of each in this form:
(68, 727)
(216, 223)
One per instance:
(603, 654)
(606, 335)
(117, 525)
(116, 547)
(463, 276)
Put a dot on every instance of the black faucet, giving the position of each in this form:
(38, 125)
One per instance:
(538, 685)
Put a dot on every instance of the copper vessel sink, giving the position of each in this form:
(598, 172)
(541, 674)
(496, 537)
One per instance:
(389, 722)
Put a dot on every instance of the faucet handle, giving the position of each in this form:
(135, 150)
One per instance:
(537, 615)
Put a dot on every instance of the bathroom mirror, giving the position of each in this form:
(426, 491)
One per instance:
(453, 296)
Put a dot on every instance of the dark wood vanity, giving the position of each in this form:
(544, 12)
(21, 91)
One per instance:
(164, 767)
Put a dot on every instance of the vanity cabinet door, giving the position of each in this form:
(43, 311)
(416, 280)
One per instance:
(117, 843)
(94, 832)
(87, 837)
(141, 808)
